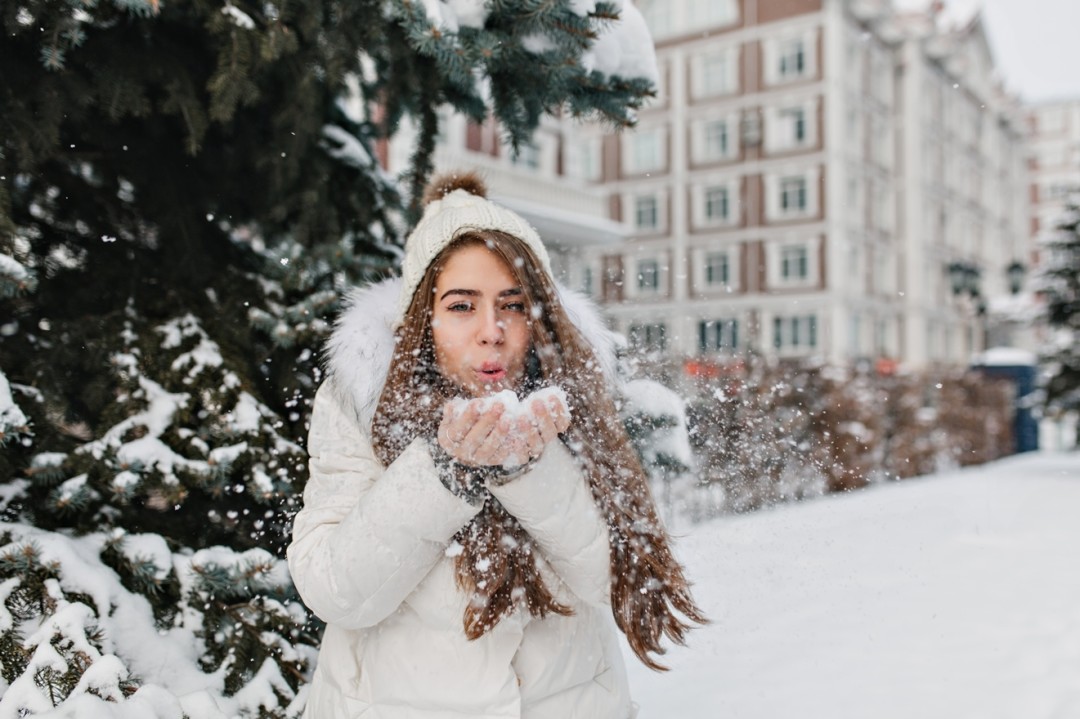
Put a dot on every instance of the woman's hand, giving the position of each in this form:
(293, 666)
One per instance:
(470, 437)
(489, 438)
(544, 422)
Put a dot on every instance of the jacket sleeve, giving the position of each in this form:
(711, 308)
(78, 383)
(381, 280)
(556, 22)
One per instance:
(554, 504)
(367, 535)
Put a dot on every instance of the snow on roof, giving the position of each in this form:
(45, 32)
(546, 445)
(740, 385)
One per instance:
(1006, 357)
(566, 227)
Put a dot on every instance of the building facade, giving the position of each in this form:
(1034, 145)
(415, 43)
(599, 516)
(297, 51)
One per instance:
(964, 208)
(544, 182)
(1054, 142)
(812, 179)
(804, 181)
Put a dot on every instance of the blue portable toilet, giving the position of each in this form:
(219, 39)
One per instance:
(1019, 367)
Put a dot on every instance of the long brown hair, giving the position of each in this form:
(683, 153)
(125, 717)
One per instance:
(647, 583)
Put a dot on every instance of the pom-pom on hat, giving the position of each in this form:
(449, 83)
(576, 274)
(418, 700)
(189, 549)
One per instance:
(456, 203)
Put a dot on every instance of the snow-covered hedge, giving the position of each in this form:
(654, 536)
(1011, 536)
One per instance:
(765, 433)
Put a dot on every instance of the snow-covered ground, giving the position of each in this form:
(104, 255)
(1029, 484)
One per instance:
(954, 596)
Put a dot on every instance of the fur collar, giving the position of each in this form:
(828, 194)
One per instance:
(359, 350)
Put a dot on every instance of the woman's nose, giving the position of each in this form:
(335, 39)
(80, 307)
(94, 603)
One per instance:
(491, 329)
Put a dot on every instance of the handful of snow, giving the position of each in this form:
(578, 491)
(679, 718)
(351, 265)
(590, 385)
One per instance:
(513, 407)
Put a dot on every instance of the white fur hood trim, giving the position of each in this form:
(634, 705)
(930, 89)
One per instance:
(359, 350)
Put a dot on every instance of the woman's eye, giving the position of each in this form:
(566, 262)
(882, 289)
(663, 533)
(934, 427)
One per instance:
(515, 307)
(460, 307)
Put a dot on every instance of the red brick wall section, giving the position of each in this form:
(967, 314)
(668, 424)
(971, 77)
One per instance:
(757, 79)
(755, 186)
(612, 278)
(822, 193)
(615, 207)
(612, 162)
(773, 10)
(474, 139)
(819, 141)
(822, 264)
(744, 268)
(757, 269)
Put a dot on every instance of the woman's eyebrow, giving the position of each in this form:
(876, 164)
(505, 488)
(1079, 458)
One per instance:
(512, 292)
(467, 293)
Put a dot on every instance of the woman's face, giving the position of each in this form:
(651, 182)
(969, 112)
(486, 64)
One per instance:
(480, 323)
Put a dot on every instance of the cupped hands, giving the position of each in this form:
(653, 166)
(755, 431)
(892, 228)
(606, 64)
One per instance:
(486, 434)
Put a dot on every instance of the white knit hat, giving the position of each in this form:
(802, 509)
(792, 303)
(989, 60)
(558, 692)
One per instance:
(456, 204)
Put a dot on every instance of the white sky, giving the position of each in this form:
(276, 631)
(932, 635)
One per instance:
(1034, 42)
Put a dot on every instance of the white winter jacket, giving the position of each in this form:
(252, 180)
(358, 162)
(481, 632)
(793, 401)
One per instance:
(371, 557)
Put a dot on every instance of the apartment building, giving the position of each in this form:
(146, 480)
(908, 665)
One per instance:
(963, 203)
(544, 182)
(808, 175)
(812, 179)
(1054, 143)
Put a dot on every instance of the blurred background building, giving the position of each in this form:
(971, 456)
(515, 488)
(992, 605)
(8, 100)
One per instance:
(1054, 141)
(827, 178)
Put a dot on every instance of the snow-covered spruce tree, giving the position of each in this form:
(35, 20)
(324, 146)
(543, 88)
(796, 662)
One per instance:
(15, 281)
(655, 421)
(1058, 280)
(191, 186)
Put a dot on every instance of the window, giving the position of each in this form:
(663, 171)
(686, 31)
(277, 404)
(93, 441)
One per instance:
(587, 280)
(644, 151)
(793, 126)
(583, 159)
(793, 123)
(717, 335)
(666, 19)
(717, 204)
(794, 263)
(717, 269)
(795, 332)
(708, 13)
(792, 58)
(793, 194)
(646, 213)
(648, 275)
(855, 339)
(716, 139)
(650, 337)
(528, 155)
(715, 71)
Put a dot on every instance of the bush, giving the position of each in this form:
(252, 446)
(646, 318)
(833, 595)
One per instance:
(764, 433)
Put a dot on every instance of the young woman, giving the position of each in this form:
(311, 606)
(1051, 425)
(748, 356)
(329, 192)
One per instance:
(470, 554)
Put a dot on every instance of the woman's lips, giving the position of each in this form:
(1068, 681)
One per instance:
(491, 372)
